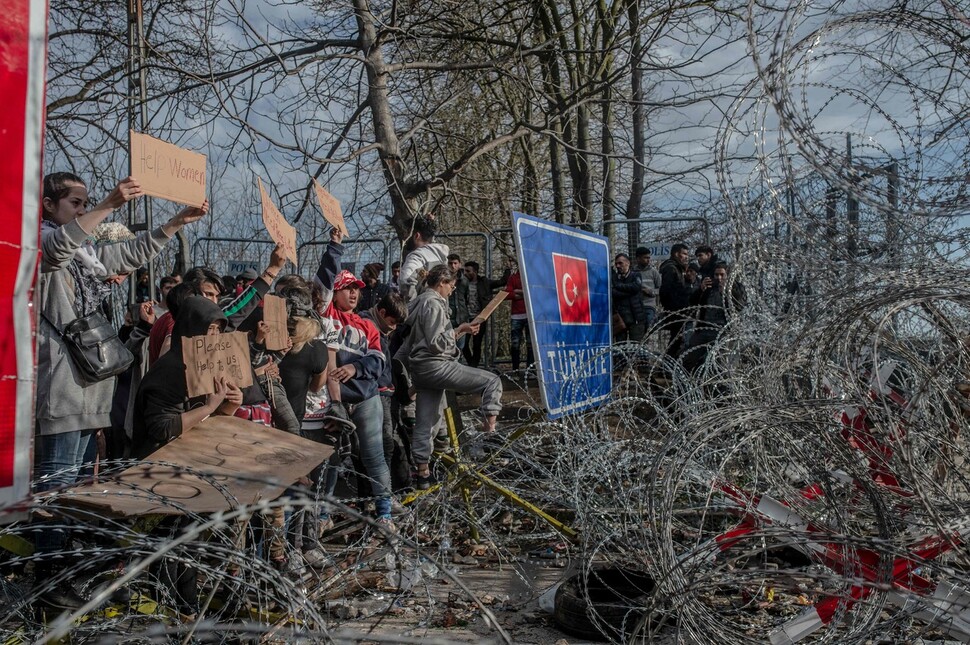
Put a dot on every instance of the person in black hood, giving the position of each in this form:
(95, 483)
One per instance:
(163, 409)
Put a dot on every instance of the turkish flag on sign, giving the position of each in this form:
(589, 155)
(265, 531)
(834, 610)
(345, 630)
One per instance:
(572, 289)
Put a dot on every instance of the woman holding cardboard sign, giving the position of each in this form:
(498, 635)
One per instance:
(71, 285)
(163, 408)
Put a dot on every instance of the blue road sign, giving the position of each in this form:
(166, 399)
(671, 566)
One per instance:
(566, 284)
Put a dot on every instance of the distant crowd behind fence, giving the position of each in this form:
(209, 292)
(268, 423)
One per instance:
(491, 249)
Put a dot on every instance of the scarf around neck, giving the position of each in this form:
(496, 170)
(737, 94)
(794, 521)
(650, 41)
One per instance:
(89, 275)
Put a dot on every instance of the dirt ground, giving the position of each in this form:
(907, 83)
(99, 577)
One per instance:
(439, 609)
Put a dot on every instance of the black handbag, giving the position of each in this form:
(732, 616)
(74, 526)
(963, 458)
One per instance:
(94, 346)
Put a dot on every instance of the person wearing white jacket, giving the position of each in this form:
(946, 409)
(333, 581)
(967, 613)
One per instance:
(425, 255)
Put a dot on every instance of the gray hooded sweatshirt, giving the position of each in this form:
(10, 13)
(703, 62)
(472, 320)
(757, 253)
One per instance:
(65, 402)
(432, 337)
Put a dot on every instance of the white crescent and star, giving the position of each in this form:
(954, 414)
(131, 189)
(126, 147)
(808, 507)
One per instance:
(566, 291)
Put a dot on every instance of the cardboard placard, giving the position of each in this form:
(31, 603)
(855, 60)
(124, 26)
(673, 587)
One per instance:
(277, 226)
(490, 308)
(209, 357)
(330, 208)
(217, 465)
(167, 171)
(274, 315)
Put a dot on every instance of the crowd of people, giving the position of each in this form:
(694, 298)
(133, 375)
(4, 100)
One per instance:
(366, 364)
(691, 300)
(365, 369)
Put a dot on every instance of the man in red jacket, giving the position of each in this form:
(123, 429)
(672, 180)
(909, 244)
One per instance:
(520, 320)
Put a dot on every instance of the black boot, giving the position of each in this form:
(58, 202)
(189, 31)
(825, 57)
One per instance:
(62, 596)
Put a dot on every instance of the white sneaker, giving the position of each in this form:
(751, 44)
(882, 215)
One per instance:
(295, 566)
(324, 526)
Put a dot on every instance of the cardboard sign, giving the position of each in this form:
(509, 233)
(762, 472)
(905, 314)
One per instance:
(274, 315)
(490, 308)
(167, 171)
(217, 465)
(277, 226)
(330, 208)
(213, 356)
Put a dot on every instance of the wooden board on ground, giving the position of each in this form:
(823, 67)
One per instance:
(213, 356)
(330, 208)
(219, 464)
(274, 315)
(490, 308)
(276, 225)
(167, 171)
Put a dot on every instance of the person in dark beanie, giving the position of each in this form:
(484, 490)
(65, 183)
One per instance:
(373, 289)
(675, 296)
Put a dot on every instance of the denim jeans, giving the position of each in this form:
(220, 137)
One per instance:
(368, 416)
(519, 327)
(650, 318)
(62, 454)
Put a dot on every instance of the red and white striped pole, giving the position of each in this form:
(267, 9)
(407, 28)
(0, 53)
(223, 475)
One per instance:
(23, 63)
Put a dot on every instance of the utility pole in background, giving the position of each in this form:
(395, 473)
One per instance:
(138, 121)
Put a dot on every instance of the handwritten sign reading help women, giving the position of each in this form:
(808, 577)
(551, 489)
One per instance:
(167, 171)
(277, 226)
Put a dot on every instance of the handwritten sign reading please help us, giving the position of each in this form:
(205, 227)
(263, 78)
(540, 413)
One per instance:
(210, 357)
(277, 226)
(167, 171)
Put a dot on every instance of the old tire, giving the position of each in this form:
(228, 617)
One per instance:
(611, 603)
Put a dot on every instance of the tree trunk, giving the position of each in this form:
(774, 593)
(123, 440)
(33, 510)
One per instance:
(552, 82)
(607, 146)
(385, 135)
(555, 169)
(530, 171)
(639, 139)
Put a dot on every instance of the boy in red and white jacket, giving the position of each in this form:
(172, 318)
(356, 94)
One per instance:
(360, 363)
